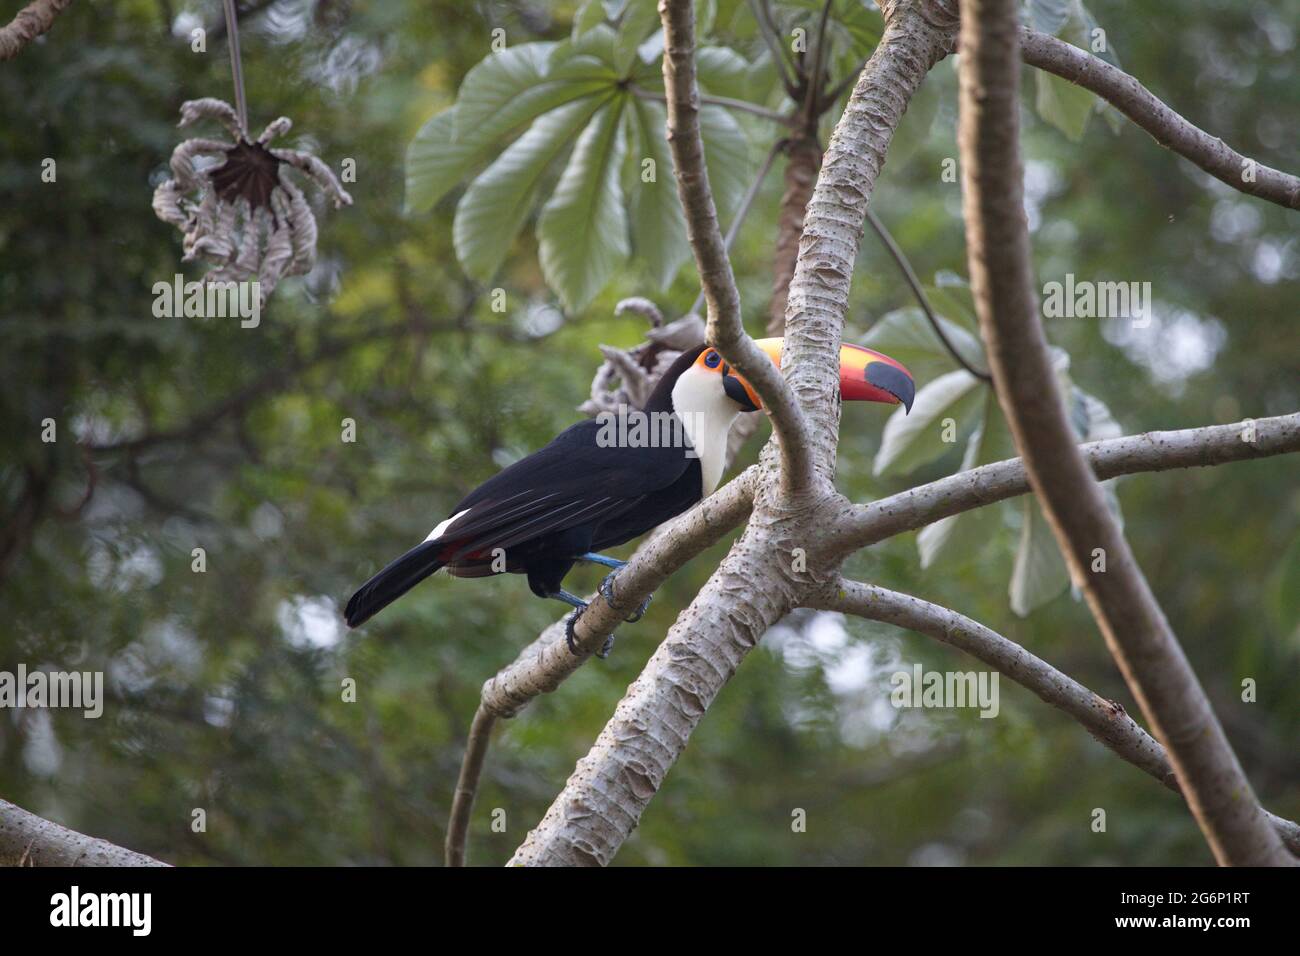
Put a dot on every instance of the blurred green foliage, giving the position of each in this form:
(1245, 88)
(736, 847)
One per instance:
(225, 686)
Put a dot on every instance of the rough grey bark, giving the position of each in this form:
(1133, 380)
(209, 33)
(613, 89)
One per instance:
(29, 840)
(1106, 720)
(1131, 620)
(1166, 126)
(725, 330)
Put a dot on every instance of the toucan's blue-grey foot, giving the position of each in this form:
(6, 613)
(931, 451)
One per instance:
(607, 589)
(571, 638)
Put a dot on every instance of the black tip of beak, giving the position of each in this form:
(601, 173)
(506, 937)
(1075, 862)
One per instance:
(736, 392)
(894, 381)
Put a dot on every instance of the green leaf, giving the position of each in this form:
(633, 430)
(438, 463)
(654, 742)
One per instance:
(435, 163)
(1039, 574)
(724, 72)
(1060, 102)
(640, 18)
(658, 227)
(952, 298)
(910, 440)
(1049, 16)
(591, 14)
(493, 209)
(1064, 105)
(959, 539)
(507, 89)
(905, 334)
(502, 93)
(726, 155)
(599, 43)
(582, 232)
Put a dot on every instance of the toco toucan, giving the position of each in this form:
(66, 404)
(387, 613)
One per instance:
(604, 482)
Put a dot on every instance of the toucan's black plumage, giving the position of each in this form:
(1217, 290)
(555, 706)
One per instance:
(581, 494)
(546, 510)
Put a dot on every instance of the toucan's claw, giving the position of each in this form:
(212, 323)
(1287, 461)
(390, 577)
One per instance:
(570, 637)
(607, 589)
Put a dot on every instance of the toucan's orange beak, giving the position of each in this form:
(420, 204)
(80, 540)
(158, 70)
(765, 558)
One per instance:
(865, 376)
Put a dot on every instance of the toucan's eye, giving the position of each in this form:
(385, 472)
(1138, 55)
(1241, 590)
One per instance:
(713, 360)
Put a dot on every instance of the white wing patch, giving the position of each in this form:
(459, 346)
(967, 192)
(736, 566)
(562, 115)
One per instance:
(438, 531)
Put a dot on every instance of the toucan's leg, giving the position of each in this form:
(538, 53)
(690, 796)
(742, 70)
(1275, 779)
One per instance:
(607, 589)
(592, 557)
(570, 599)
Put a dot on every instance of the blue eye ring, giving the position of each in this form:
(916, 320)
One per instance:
(713, 360)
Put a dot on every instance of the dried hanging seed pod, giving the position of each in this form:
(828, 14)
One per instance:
(245, 215)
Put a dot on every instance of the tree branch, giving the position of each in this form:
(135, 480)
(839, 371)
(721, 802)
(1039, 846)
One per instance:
(1168, 128)
(32, 20)
(29, 840)
(917, 507)
(1135, 628)
(757, 583)
(909, 274)
(1105, 720)
(547, 662)
(917, 35)
(725, 331)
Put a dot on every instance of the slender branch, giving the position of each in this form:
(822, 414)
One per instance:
(910, 275)
(725, 330)
(724, 101)
(743, 210)
(1168, 128)
(1105, 720)
(29, 840)
(1131, 620)
(814, 78)
(471, 769)
(915, 508)
(31, 21)
(767, 29)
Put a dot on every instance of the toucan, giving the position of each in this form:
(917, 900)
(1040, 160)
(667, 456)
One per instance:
(607, 480)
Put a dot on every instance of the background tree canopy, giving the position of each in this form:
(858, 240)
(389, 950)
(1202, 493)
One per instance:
(523, 171)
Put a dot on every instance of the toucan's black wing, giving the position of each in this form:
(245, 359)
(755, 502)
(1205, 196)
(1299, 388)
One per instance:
(574, 481)
(572, 488)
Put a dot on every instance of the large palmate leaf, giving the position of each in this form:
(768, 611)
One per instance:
(521, 110)
(916, 438)
(501, 94)
(660, 233)
(493, 209)
(583, 230)
(726, 155)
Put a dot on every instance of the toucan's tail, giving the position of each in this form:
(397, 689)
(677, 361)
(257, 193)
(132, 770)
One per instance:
(392, 582)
